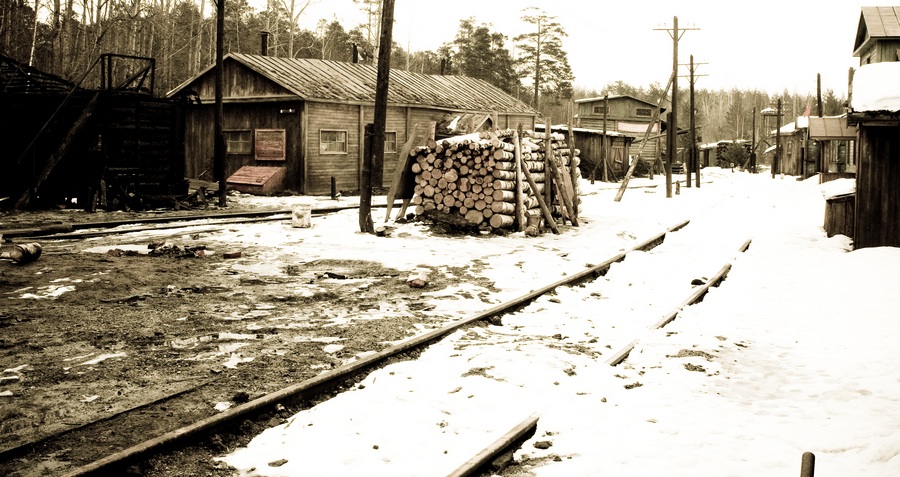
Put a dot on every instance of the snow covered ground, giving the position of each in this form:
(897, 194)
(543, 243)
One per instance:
(796, 351)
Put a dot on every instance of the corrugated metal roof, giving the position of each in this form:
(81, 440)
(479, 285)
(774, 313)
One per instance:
(324, 80)
(830, 128)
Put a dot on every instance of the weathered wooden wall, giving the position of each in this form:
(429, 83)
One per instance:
(878, 187)
(839, 214)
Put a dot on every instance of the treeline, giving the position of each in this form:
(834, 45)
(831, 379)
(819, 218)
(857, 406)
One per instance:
(69, 36)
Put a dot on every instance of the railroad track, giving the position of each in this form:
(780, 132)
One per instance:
(310, 391)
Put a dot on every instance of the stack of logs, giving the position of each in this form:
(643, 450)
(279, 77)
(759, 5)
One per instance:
(498, 179)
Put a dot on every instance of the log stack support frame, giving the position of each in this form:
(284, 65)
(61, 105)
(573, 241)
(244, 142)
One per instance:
(498, 180)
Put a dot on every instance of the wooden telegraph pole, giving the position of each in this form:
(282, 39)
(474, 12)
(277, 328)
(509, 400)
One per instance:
(219, 146)
(377, 139)
(693, 163)
(776, 159)
(672, 146)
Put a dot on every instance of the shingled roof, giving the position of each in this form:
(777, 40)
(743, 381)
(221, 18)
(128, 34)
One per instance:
(324, 80)
(874, 23)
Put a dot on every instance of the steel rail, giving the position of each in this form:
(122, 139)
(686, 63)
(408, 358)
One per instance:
(694, 297)
(322, 383)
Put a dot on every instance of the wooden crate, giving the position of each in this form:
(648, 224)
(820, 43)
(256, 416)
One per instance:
(258, 180)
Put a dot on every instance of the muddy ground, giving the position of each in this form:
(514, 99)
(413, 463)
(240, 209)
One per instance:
(84, 335)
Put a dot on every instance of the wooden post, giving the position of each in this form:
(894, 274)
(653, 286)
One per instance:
(520, 186)
(670, 153)
(548, 216)
(573, 172)
(548, 178)
(604, 148)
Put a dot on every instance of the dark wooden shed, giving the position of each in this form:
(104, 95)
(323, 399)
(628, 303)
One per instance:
(308, 117)
(116, 145)
(875, 109)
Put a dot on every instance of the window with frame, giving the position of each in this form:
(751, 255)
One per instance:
(332, 141)
(390, 141)
(600, 110)
(238, 141)
(270, 145)
(643, 112)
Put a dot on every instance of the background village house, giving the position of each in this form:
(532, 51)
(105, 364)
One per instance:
(625, 115)
(302, 120)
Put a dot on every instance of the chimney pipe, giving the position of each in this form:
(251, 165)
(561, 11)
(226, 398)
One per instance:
(355, 54)
(264, 43)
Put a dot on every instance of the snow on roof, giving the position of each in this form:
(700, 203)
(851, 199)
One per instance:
(876, 87)
(802, 122)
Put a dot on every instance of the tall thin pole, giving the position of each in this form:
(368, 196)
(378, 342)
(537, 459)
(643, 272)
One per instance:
(673, 116)
(605, 146)
(381, 97)
(776, 162)
(219, 140)
(753, 145)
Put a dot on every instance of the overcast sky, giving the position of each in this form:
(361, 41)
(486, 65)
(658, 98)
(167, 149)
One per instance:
(770, 45)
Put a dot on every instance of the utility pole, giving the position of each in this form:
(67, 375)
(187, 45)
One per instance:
(377, 139)
(672, 149)
(693, 164)
(776, 162)
(753, 145)
(219, 146)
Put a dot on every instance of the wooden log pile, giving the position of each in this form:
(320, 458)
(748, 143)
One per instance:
(497, 179)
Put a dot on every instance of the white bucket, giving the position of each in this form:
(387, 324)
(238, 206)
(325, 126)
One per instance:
(301, 216)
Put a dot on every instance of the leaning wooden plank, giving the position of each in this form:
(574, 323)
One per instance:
(633, 164)
(60, 152)
(547, 215)
(403, 182)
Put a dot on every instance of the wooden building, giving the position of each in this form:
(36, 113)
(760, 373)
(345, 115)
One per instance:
(590, 143)
(875, 109)
(832, 146)
(793, 159)
(116, 145)
(307, 117)
(878, 35)
(626, 115)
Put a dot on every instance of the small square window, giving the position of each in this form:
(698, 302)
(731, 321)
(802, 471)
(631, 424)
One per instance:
(643, 112)
(239, 142)
(332, 141)
(600, 110)
(390, 141)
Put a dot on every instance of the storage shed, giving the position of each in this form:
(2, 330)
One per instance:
(114, 144)
(875, 109)
(308, 117)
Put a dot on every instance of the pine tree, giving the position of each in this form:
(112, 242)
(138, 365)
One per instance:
(543, 58)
